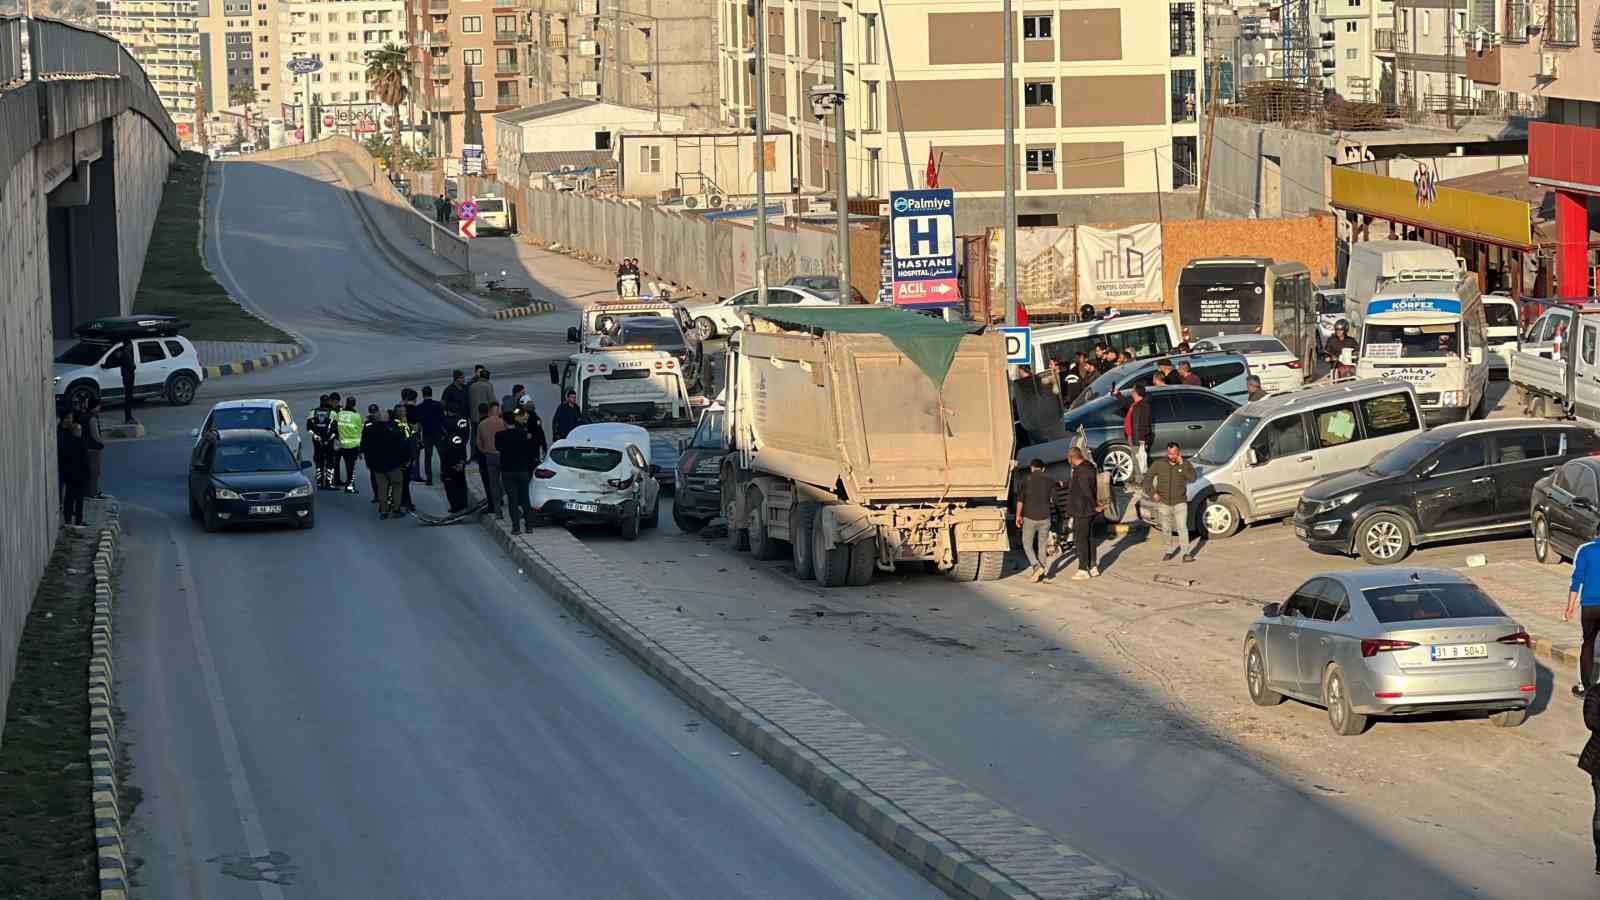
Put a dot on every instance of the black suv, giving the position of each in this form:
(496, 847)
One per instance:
(1470, 479)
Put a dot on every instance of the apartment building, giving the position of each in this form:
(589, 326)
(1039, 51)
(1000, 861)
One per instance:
(646, 54)
(1357, 39)
(339, 33)
(239, 61)
(467, 58)
(1430, 41)
(1551, 48)
(1107, 100)
(164, 36)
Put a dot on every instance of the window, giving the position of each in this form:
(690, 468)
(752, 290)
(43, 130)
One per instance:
(351, 36)
(1039, 93)
(1390, 414)
(872, 111)
(1185, 156)
(1425, 22)
(602, 140)
(1304, 602)
(1588, 344)
(1183, 95)
(1281, 438)
(150, 351)
(1180, 25)
(1351, 27)
(174, 349)
(1041, 162)
(1038, 28)
(477, 89)
(650, 159)
(505, 24)
(471, 24)
(1350, 53)
(1517, 21)
(265, 70)
(1332, 602)
(869, 38)
(472, 57)
(1194, 407)
(1335, 425)
(1587, 487)
(1458, 456)
(1410, 603)
(1214, 374)
(1518, 446)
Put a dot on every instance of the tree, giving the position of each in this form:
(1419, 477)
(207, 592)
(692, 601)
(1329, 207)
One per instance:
(242, 95)
(387, 69)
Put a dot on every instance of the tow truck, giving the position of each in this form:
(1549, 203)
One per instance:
(638, 386)
(599, 319)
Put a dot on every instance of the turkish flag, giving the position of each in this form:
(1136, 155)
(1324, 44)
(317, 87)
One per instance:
(932, 176)
(1022, 315)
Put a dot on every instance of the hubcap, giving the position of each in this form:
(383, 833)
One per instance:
(1541, 538)
(183, 390)
(1336, 701)
(1253, 672)
(706, 329)
(1120, 464)
(1218, 518)
(1384, 539)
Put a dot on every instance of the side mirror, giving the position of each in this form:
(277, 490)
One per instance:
(1272, 610)
(1475, 356)
(194, 432)
(572, 335)
(1582, 503)
(1252, 457)
(555, 374)
(305, 464)
(683, 444)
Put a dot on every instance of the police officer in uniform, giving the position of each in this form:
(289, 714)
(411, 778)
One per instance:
(324, 444)
(453, 462)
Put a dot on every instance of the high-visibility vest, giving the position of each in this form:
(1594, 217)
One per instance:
(350, 425)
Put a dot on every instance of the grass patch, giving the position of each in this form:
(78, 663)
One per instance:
(47, 845)
(176, 283)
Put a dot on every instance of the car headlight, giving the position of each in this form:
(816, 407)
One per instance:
(55, 379)
(303, 490)
(223, 493)
(1452, 398)
(1336, 502)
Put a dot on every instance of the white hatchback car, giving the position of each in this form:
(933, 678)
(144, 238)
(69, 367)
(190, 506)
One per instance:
(256, 415)
(600, 474)
(1269, 360)
(707, 320)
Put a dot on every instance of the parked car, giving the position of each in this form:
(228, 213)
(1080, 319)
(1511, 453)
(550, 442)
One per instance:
(1188, 415)
(1565, 511)
(1391, 643)
(494, 215)
(1471, 479)
(708, 320)
(1275, 364)
(1224, 373)
(1255, 466)
(824, 286)
(246, 475)
(601, 474)
(698, 496)
(168, 366)
(260, 415)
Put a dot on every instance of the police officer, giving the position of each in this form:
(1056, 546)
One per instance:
(324, 443)
(453, 462)
(401, 416)
(349, 422)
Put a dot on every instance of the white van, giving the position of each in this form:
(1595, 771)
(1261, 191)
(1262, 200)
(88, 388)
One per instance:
(1147, 334)
(1502, 318)
(494, 215)
(1270, 450)
(1430, 333)
(1376, 264)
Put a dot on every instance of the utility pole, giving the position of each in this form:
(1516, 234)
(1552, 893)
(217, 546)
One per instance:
(616, 46)
(894, 83)
(1211, 129)
(841, 164)
(1450, 66)
(1008, 51)
(760, 7)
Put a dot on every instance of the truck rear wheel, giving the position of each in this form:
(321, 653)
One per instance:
(966, 567)
(991, 565)
(802, 521)
(863, 562)
(831, 561)
(762, 544)
(738, 537)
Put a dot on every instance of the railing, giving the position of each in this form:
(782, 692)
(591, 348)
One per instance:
(438, 6)
(508, 68)
(507, 99)
(441, 70)
(513, 35)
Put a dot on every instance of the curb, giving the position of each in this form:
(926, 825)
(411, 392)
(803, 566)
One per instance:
(532, 309)
(1555, 651)
(1035, 864)
(122, 431)
(108, 837)
(250, 365)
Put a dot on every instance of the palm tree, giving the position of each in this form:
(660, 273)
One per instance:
(242, 95)
(387, 70)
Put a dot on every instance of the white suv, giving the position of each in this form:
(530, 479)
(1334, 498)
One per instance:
(722, 317)
(168, 366)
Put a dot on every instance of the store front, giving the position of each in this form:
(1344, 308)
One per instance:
(1566, 159)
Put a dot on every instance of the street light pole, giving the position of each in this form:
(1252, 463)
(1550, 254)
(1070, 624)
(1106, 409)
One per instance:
(841, 164)
(1008, 51)
(761, 151)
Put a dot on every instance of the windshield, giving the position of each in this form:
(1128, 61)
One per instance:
(669, 338)
(709, 435)
(634, 395)
(1411, 341)
(1403, 458)
(254, 456)
(1500, 315)
(491, 206)
(83, 353)
(589, 459)
(1426, 602)
(1234, 433)
(242, 417)
(1331, 304)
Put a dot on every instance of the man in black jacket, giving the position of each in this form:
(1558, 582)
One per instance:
(1083, 504)
(430, 415)
(567, 417)
(129, 366)
(385, 450)
(454, 397)
(72, 466)
(1140, 431)
(518, 456)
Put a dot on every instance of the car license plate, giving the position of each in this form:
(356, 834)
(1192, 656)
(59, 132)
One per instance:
(1459, 651)
(583, 507)
(265, 510)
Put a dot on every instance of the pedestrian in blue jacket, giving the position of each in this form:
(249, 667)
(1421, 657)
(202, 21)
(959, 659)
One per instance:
(1585, 592)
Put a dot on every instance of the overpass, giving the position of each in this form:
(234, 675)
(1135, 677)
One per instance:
(84, 150)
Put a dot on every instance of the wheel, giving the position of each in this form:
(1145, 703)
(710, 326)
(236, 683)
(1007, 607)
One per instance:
(802, 520)
(1345, 721)
(686, 523)
(308, 523)
(738, 538)
(705, 329)
(863, 562)
(1220, 517)
(81, 393)
(629, 526)
(1542, 551)
(831, 561)
(1255, 679)
(180, 389)
(1510, 718)
(966, 567)
(1383, 539)
(654, 518)
(762, 544)
(208, 518)
(1118, 460)
(991, 564)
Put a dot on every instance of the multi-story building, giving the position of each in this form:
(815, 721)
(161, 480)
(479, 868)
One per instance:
(1548, 49)
(1357, 39)
(239, 61)
(164, 36)
(1430, 37)
(340, 34)
(1107, 100)
(467, 65)
(640, 53)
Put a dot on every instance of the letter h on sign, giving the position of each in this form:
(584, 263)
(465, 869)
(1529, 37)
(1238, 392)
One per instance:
(923, 237)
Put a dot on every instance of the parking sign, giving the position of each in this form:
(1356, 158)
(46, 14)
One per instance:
(1019, 345)
(922, 225)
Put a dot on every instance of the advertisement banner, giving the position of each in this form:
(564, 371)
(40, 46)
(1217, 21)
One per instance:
(1046, 266)
(1119, 266)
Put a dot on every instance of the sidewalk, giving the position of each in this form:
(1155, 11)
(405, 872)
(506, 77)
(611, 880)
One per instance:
(554, 277)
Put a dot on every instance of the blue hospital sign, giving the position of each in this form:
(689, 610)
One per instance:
(922, 225)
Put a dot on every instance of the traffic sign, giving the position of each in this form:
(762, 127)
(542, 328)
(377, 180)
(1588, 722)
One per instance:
(922, 227)
(1019, 345)
(467, 211)
(304, 65)
(467, 229)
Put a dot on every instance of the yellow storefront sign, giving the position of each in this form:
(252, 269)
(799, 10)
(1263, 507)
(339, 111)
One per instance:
(1495, 220)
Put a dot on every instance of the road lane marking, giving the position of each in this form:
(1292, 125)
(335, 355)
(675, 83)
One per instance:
(255, 836)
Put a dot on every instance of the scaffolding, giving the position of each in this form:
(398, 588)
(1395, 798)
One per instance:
(1302, 66)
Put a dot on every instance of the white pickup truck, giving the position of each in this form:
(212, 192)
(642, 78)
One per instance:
(1561, 378)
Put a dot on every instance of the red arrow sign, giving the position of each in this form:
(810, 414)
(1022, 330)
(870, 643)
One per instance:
(467, 228)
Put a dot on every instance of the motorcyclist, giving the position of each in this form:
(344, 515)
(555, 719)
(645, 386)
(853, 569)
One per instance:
(1334, 346)
(324, 433)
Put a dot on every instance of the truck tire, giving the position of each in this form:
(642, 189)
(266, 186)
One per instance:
(991, 565)
(738, 538)
(863, 562)
(763, 545)
(802, 521)
(966, 567)
(831, 561)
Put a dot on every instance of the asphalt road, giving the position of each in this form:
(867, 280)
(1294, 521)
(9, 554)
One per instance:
(378, 709)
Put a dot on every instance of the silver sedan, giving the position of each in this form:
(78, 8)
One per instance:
(1391, 643)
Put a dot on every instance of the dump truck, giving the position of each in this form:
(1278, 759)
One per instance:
(862, 437)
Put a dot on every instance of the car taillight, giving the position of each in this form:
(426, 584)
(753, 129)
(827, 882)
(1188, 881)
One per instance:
(1371, 647)
(1520, 637)
(658, 364)
(542, 472)
(620, 483)
(1293, 364)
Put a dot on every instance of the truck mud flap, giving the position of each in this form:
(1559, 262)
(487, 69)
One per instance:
(842, 523)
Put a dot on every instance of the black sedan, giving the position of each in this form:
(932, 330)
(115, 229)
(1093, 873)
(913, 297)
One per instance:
(239, 475)
(1187, 415)
(1566, 510)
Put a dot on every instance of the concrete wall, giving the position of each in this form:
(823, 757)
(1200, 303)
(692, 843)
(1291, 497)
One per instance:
(1248, 159)
(142, 158)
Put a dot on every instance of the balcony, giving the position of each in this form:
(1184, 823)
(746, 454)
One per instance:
(508, 68)
(1484, 67)
(440, 71)
(512, 37)
(431, 39)
(507, 99)
(1383, 40)
(439, 6)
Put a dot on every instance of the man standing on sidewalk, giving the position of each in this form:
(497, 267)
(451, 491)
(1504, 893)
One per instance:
(1033, 517)
(517, 459)
(1083, 504)
(1167, 485)
(490, 424)
(1584, 592)
(89, 419)
(430, 415)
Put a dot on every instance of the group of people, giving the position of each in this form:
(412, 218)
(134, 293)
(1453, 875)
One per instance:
(628, 277)
(392, 440)
(79, 451)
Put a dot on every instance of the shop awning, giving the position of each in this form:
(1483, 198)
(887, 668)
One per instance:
(1502, 221)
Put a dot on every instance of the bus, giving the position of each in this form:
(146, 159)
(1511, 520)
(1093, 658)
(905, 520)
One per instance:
(1246, 295)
